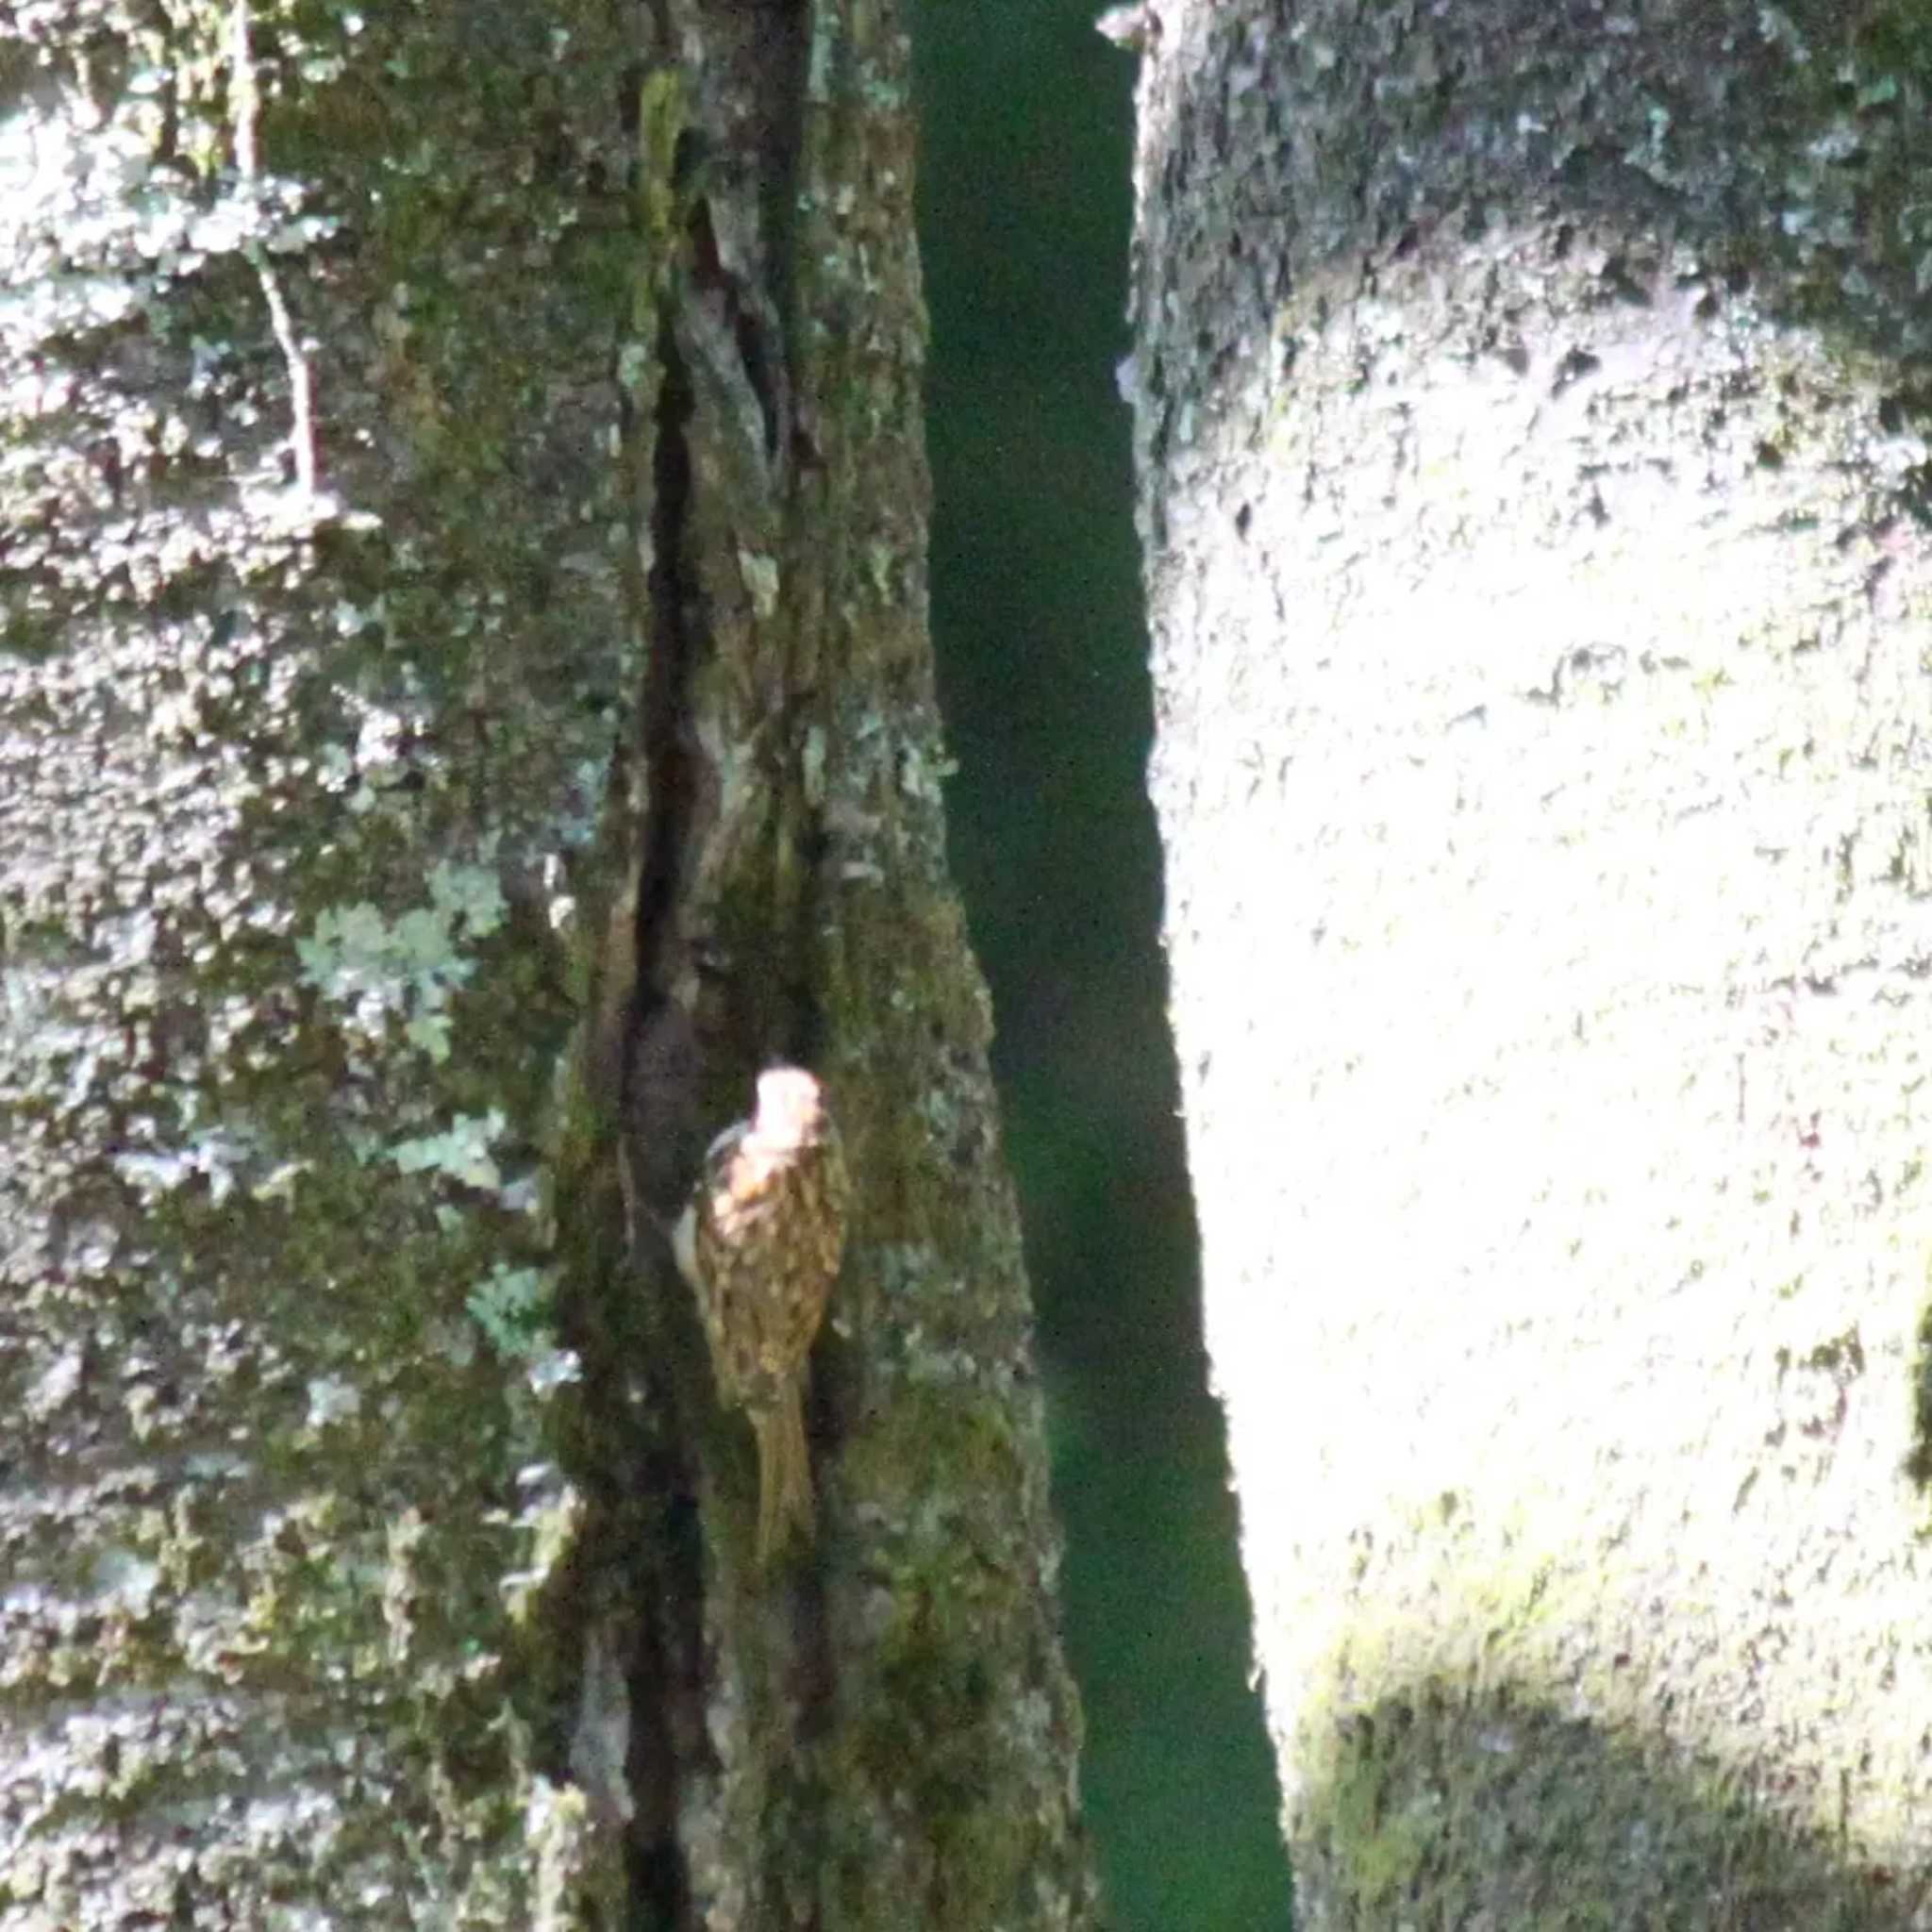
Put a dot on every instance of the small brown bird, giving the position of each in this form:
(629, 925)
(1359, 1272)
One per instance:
(761, 1243)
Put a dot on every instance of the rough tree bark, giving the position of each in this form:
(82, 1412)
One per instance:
(1530, 406)
(406, 407)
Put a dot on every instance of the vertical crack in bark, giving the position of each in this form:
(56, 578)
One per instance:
(723, 1664)
(666, 675)
(657, 1080)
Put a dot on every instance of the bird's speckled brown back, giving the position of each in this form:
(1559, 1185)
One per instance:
(768, 1235)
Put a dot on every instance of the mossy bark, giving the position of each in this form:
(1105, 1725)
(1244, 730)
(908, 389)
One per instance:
(463, 590)
(1531, 420)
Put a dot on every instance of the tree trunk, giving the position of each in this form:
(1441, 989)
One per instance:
(405, 409)
(1530, 411)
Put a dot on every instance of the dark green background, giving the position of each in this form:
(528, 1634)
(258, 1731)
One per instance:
(1025, 204)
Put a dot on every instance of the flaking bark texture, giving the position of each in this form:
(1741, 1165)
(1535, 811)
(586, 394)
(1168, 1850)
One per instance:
(466, 706)
(1530, 406)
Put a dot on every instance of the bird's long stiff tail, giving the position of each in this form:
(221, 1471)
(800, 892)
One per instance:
(784, 1472)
